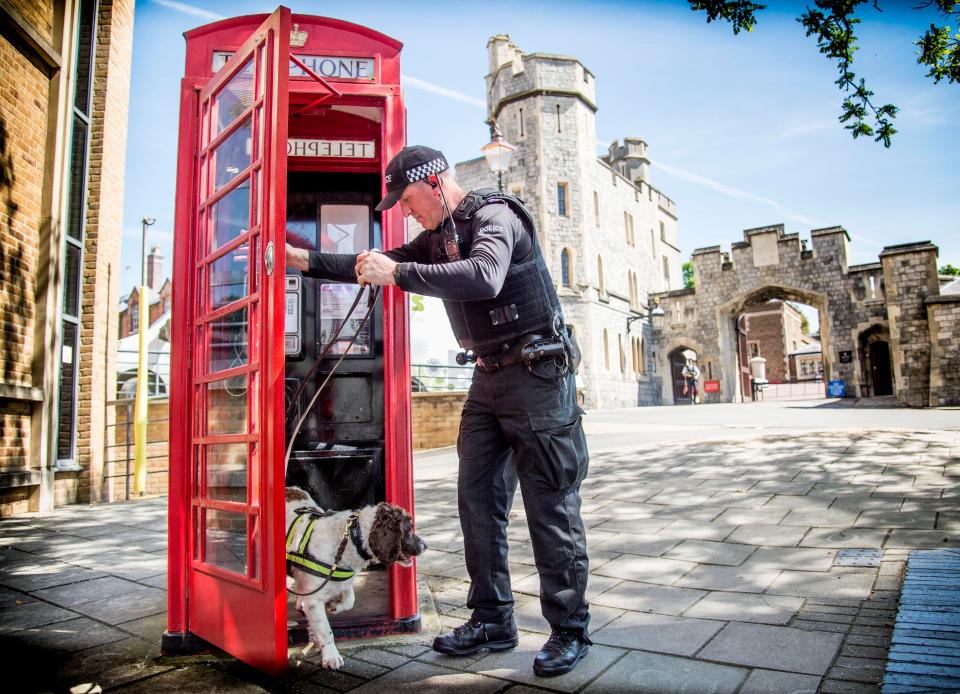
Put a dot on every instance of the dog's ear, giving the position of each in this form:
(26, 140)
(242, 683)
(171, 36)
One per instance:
(386, 534)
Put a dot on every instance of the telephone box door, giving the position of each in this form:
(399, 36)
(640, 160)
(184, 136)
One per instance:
(236, 587)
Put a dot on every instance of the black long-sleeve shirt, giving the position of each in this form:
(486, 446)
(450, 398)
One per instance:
(495, 236)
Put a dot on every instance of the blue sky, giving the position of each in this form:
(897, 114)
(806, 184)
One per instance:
(742, 129)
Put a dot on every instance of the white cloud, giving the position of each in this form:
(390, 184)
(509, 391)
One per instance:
(191, 10)
(732, 192)
(417, 83)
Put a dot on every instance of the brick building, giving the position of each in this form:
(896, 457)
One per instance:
(63, 118)
(774, 331)
(608, 236)
(161, 296)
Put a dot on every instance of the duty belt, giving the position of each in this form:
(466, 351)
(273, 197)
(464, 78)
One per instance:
(511, 354)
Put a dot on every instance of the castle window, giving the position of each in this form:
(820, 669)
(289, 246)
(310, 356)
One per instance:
(623, 355)
(562, 199)
(666, 271)
(663, 232)
(653, 244)
(520, 120)
(600, 285)
(606, 350)
(628, 228)
(565, 267)
(596, 208)
(559, 129)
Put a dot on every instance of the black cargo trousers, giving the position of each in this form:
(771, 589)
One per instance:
(519, 425)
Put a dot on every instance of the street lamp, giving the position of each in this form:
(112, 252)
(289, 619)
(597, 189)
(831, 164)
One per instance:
(145, 222)
(498, 153)
(140, 404)
(654, 313)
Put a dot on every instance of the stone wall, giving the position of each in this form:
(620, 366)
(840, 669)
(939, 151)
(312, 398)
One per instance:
(943, 315)
(910, 276)
(767, 264)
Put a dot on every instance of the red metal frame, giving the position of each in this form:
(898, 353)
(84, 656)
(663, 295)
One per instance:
(246, 615)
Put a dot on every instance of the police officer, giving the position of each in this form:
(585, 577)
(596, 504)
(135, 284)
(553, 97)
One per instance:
(521, 420)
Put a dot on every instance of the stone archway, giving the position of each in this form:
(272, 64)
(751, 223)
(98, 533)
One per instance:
(669, 383)
(736, 388)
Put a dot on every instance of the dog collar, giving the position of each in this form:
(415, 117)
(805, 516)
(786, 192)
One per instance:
(356, 537)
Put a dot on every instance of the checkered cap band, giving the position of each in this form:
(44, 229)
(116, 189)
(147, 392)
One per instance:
(421, 171)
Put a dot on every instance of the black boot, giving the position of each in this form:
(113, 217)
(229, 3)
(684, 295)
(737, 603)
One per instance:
(561, 653)
(474, 635)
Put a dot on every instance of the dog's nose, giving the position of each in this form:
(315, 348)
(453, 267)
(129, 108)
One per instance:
(423, 545)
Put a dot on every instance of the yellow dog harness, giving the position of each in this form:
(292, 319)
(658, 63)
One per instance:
(298, 538)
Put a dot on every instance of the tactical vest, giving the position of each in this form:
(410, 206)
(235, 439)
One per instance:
(527, 303)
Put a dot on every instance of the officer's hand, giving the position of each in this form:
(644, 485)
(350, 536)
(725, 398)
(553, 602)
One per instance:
(297, 258)
(374, 268)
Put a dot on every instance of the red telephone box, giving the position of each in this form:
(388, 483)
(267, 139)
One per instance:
(286, 125)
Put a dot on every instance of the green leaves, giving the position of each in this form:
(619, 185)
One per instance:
(741, 15)
(832, 24)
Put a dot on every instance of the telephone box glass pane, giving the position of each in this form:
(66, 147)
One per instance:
(232, 155)
(335, 302)
(302, 225)
(230, 216)
(227, 472)
(228, 341)
(344, 228)
(229, 277)
(234, 98)
(227, 406)
(225, 540)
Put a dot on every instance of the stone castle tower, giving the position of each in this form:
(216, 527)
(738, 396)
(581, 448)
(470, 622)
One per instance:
(609, 237)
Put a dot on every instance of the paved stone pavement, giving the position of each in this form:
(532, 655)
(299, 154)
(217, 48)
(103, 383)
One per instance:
(714, 568)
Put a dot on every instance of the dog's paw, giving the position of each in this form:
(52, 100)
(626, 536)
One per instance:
(330, 658)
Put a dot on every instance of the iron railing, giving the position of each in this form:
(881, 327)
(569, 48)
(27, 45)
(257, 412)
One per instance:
(436, 378)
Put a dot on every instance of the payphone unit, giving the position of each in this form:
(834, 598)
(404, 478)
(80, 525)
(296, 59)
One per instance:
(286, 124)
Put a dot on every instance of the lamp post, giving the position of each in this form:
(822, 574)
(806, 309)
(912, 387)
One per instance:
(654, 313)
(498, 153)
(140, 405)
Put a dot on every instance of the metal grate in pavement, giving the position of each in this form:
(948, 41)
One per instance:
(925, 651)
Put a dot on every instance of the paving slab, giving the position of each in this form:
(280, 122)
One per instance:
(32, 614)
(818, 584)
(767, 681)
(663, 674)
(422, 677)
(744, 607)
(638, 543)
(647, 569)
(923, 539)
(195, 679)
(802, 558)
(657, 633)
(648, 597)
(774, 648)
(729, 578)
(709, 552)
(850, 537)
(88, 591)
(124, 608)
(768, 535)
